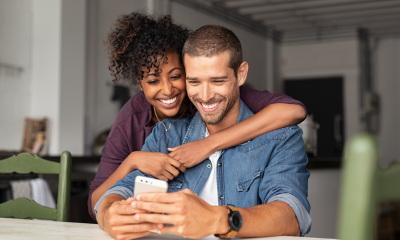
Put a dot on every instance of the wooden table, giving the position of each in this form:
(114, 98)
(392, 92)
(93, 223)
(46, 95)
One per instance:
(23, 229)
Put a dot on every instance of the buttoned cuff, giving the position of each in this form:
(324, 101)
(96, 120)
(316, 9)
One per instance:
(301, 213)
(123, 191)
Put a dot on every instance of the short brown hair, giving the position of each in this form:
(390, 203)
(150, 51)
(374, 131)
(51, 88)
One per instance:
(211, 40)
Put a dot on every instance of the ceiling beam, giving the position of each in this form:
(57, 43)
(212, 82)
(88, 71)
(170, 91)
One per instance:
(316, 4)
(232, 17)
(331, 12)
(352, 18)
(246, 3)
(362, 22)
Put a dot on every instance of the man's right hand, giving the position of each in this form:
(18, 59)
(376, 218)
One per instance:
(117, 217)
(158, 165)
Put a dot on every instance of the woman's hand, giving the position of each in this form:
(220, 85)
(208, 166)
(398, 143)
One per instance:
(158, 165)
(192, 153)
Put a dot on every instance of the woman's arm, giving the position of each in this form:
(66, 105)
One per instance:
(158, 165)
(270, 118)
(272, 111)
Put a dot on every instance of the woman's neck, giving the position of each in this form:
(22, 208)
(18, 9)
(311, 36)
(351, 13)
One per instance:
(181, 111)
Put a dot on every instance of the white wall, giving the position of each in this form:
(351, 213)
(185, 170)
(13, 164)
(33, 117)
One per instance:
(324, 195)
(47, 39)
(58, 71)
(387, 83)
(72, 76)
(46, 50)
(100, 111)
(15, 88)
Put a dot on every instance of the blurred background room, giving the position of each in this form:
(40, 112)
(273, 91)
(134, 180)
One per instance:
(341, 58)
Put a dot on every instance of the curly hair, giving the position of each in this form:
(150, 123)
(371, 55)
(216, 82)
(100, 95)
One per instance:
(137, 40)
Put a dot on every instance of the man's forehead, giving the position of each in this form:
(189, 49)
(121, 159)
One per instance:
(204, 65)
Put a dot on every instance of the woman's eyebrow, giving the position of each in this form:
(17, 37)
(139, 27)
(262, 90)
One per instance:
(150, 74)
(170, 71)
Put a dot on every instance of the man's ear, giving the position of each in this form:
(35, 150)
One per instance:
(242, 73)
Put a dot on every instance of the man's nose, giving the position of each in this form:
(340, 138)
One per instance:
(206, 92)
(167, 87)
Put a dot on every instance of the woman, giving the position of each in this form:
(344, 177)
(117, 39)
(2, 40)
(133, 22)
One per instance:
(148, 52)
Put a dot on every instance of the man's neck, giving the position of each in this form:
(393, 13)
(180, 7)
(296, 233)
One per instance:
(230, 119)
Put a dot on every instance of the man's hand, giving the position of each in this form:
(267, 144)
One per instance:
(191, 216)
(118, 219)
(192, 153)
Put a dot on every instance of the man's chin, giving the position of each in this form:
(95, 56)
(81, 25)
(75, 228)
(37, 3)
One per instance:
(211, 120)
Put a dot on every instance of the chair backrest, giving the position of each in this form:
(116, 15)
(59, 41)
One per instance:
(22, 207)
(364, 186)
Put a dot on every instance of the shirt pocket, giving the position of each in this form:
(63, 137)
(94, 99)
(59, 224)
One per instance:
(244, 186)
(175, 184)
(248, 190)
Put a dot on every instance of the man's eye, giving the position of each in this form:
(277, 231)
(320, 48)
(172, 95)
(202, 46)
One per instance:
(219, 81)
(193, 82)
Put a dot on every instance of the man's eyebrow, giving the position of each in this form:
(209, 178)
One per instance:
(170, 71)
(191, 78)
(222, 77)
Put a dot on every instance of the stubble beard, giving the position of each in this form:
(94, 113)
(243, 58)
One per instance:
(215, 118)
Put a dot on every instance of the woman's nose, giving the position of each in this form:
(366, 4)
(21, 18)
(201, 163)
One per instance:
(167, 88)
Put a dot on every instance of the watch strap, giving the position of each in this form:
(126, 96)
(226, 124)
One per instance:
(232, 233)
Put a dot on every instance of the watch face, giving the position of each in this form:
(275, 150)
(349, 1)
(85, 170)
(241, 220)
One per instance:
(236, 221)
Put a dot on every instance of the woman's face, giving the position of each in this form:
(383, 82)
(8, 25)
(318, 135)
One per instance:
(167, 90)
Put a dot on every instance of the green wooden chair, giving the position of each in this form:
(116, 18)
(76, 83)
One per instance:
(364, 186)
(22, 207)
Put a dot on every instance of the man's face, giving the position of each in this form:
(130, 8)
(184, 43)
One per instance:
(211, 86)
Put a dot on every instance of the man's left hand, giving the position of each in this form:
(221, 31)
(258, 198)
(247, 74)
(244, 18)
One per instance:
(191, 216)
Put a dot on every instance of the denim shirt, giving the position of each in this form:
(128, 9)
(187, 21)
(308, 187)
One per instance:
(271, 167)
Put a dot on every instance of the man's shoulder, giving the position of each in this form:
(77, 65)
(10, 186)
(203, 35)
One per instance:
(278, 136)
(282, 133)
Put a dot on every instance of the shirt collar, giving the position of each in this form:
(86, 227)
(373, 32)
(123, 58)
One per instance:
(197, 128)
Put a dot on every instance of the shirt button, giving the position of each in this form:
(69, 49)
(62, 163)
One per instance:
(219, 164)
(209, 165)
(221, 197)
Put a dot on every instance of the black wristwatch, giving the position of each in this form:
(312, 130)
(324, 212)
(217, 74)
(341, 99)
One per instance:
(235, 223)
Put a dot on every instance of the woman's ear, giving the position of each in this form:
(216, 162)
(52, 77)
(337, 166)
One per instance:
(242, 73)
(140, 85)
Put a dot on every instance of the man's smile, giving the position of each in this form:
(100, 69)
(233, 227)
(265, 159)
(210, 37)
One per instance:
(210, 107)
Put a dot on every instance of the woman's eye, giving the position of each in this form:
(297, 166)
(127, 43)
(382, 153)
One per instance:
(176, 76)
(152, 82)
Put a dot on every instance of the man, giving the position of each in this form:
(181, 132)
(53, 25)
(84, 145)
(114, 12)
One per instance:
(265, 179)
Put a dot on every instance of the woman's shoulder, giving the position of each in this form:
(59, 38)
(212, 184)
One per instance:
(136, 107)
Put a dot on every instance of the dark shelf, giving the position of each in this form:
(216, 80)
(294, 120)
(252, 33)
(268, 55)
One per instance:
(80, 162)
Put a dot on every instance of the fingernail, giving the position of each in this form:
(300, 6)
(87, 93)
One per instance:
(133, 204)
(158, 232)
(137, 216)
(138, 197)
(160, 225)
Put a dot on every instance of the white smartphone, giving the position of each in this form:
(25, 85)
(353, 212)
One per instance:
(146, 184)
